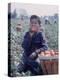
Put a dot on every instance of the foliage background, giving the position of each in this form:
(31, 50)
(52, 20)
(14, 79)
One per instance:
(50, 30)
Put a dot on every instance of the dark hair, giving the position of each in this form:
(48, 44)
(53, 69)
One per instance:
(35, 17)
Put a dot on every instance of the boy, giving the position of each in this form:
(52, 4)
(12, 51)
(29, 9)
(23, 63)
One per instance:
(33, 44)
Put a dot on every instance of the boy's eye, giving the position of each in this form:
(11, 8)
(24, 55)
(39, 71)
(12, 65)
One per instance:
(34, 23)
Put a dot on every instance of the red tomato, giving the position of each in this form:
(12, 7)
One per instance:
(52, 52)
(42, 54)
(47, 55)
(47, 52)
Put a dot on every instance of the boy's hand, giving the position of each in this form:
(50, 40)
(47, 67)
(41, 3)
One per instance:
(38, 60)
(33, 55)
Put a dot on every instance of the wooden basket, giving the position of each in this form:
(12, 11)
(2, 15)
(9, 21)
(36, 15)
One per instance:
(50, 66)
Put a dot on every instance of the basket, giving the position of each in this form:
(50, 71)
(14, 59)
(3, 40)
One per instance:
(49, 64)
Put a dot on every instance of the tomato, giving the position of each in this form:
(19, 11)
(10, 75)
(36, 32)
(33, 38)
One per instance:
(47, 55)
(42, 54)
(52, 52)
(47, 52)
(56, 53)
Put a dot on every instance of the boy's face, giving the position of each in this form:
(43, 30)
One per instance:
(34, 25)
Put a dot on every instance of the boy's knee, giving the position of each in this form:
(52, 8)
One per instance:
(20, 68)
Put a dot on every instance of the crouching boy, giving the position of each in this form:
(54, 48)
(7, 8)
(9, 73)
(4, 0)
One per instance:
(33, 43)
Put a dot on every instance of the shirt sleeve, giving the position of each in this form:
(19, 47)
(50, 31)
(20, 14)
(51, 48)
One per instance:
(26, 42)
(43, 42)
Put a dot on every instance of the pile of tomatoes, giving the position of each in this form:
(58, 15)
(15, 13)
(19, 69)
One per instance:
(49, 53)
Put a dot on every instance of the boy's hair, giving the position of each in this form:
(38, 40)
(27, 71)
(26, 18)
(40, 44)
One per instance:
(35, 17)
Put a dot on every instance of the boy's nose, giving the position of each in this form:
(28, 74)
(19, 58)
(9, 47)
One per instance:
(33, 24)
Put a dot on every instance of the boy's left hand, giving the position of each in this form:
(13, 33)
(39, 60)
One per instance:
(33, 55)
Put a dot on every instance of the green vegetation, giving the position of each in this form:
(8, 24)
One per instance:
(51, 33)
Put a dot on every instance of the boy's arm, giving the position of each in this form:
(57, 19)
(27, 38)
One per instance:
(43, 48)
(26, 42)
(43, 44)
